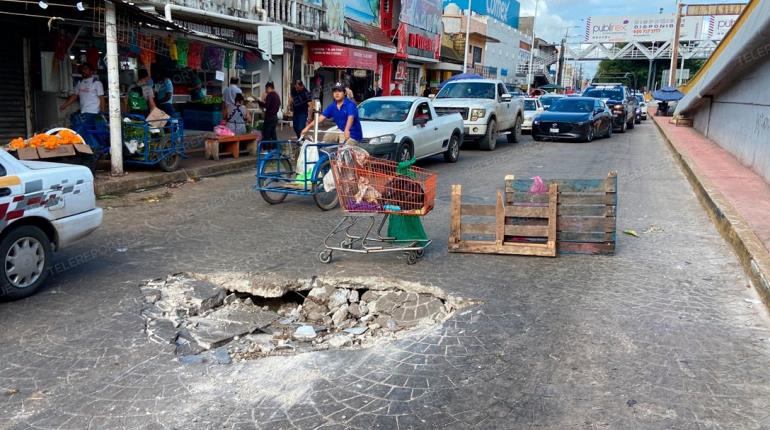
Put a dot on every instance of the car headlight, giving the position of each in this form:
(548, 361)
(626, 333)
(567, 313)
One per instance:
(619, 107)
(537, 121)
(388, 138)
(528, 117)
(477, 113)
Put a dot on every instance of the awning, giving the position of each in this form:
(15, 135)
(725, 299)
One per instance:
(452, 67)
(342, 57)
(375, 38)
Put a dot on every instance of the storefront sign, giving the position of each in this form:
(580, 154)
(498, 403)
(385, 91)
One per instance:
(329, 55)
(506, 11)
(229, 34)
(416, 42)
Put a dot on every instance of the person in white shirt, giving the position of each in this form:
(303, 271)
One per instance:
(228, 96)
(89, 92)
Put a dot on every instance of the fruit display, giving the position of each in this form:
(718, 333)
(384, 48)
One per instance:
(50, 140)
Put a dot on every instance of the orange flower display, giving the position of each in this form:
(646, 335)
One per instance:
(44, 140)
(69, 137)
(17, 143)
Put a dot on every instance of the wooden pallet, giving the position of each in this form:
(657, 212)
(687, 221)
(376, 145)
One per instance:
(587, 214)
(217, 146)
(516, 230)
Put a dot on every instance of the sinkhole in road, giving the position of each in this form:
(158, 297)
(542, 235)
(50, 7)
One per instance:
(225, 317)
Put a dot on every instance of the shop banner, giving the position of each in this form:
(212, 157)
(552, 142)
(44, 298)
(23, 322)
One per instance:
(423, 14)
(337, 56)
(505, 11)
(642, 28)
(418, 42)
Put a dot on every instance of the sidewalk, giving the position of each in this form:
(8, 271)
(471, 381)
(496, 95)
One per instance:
(737, 198)
(194, 166)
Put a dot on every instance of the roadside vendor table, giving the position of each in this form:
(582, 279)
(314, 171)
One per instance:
(232, 145)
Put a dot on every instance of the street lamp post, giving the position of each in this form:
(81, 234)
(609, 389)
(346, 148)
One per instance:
(531, 50)
(467, 37)
(675, 46)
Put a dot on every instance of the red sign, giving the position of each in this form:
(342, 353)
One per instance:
(416, 42)
(343, 57)
(400, 71)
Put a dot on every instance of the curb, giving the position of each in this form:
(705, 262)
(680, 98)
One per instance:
(128, 185)
(753, 255)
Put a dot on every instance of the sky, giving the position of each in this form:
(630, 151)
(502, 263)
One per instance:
(555, 18)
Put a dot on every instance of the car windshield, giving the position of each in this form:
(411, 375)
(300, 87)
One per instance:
(384, 110)
(572, 105)
(605, 93)
(548, 100)
(471, 90)
(639, 98)
(530, 105)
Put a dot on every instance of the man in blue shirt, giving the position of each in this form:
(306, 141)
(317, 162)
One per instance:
(344, 112)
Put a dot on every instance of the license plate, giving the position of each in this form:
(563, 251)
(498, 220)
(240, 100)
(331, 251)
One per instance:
(554, 130)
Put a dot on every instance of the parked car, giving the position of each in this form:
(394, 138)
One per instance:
(620, 101)
(43, 207)
(581, 118)
(515, 91)
(486, 107)
(532, 107)
(400, 127)
(642, 107)
(548, 99)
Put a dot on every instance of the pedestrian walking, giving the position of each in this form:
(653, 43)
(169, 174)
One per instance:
(344, 112)
(300, 102)
(271, 104)
(89, 93)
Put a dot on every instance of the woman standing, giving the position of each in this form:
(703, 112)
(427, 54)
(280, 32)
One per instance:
(238, 116)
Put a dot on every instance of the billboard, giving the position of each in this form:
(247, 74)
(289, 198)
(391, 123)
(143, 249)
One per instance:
(718, 26)
(423, 14)
(642, 28)
(366, 11)
(506, 11)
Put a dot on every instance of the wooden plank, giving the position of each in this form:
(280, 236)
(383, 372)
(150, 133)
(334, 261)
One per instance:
(484, 247)
(526, 230)
(587, 210)
(553, 195)
(607, 248)
(526, 211)
(478, 210)
(467, 228)
(571, 199)
(509, 191)
(585, 223)
(581, 236)
(499, 219)
(611, 183)
(528, 198)
(455, 214)
(565, 185)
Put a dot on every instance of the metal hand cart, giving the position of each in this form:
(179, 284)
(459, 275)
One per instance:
(279, 174)
(371, 191)
(153, 144)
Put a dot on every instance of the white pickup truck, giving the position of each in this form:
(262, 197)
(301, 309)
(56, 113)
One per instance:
(43, 206)
(486, 107)
(401, 127)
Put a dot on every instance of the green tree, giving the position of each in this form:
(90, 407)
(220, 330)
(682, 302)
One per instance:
(640, 68)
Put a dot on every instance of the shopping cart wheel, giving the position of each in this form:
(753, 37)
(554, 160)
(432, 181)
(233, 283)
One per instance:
(420, 253)
(347, 243)
(411, 257)
(325, 256)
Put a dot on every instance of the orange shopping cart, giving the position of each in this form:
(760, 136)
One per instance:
(371, 191)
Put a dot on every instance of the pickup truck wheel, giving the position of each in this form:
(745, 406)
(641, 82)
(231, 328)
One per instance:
(27, 255)
(489, 141)
(452, 153)
(631, 124)
(515, 134)
(404, 152)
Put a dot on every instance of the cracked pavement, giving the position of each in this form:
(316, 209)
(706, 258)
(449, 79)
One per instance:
(664, 334)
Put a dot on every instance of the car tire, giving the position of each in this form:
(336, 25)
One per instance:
(514, 136)
(638, 119)
(27, 255)
(630, 125)
(537, 138)
(589, 137)
(622, 128)
(609, 131)
(489, 141)
(452, 153)
(405, 152)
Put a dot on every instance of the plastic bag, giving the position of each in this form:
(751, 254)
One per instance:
(308, 158)
(538, 186)
(222, 130)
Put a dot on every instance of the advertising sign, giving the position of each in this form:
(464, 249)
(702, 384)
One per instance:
(338, 56)
(643, 28)
(400, 71)
(366, 11)
(719, 26)
(506, 11)
(423, 14)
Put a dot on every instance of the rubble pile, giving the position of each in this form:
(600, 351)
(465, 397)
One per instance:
(219, 318)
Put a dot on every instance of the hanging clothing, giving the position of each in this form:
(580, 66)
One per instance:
(172, 51)
(214, 58)
(195, 56)
(146, 50)
(182, 46)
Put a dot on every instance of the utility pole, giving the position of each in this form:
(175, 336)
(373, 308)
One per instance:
(113, 90)
(531, 49)
(467, 37)
(675, 45)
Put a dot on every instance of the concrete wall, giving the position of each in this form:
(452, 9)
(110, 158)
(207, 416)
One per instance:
(738, 119)
(503, 55)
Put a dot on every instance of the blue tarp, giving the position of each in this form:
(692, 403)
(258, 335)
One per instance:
(461, 76)
(667, 94)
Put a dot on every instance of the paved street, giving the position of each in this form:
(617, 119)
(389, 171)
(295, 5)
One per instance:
(664, 334)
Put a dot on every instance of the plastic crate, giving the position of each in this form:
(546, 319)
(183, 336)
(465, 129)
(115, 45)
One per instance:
(201, 120)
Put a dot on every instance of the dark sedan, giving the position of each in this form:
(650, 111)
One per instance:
(581, 118)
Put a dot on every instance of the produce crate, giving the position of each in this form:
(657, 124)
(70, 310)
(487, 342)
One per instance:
(201, 120)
